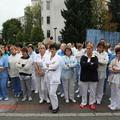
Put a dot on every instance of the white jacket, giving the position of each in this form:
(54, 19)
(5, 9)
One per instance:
(103, 60)
(54, 69)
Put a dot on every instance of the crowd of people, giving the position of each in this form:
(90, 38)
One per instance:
(71, 68)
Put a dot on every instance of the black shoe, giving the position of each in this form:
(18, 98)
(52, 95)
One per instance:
(50, 107)
(56, 110)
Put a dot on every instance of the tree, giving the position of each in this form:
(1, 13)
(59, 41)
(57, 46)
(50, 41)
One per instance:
(33, 30)
(36, 11)
(101, 17)
(28, 23)
(115, 9)
(36, 35)
(37, 32)
(10, 29)
(77, 17)
(20, 37)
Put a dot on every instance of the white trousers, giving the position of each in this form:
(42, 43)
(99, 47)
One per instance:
(68, 85)
(91, 86)
(34, 82)
(115, 95)
(100, 86)
(52, 88)
(42, 88)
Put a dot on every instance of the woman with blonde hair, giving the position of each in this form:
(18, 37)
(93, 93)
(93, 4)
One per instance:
(89, 77)
(40, 73)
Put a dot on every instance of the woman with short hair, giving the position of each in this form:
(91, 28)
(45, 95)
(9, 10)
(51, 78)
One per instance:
(68, 74)
(114, 80)
(89, 77)
(40, 74)
(25, 71)
(52, 75)
(13, 71)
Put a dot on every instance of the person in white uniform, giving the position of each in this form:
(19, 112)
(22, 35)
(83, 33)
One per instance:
(102, 67)
(34, 82)
(40, 74)
(114, 80)
(53, 77)
(68, 73)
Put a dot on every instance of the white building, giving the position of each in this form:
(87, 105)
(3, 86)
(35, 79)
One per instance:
(34, 2)
(52, 21)
(22, 20)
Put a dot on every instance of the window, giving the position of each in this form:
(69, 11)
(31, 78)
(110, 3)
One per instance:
(42, 5)
(48, 33)
(48, 19)
(48, 5)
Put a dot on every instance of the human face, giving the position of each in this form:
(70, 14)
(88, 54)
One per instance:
(13, 50)
(89, 49)
(30, 50)
(118, 55)
(53, 51)
(42, 50)
(62, 47)
(68, 52)
(100, 49)
(24, 54)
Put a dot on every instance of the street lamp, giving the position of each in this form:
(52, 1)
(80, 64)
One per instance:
(55, 33)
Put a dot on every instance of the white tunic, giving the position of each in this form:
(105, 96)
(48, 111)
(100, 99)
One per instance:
(114, 78)
(54, 69)
(103, 60)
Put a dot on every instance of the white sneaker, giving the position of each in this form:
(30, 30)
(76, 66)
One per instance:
(98, 102)
(109, 106)
(113, 108)
(109, 99)
(41, 101)
(29, 98)
(48, 101)
(78, 96)
(24, 99)
(6, 99)
(67, 101)
(62, 95)
(76, 91)
(36, 91)
(73, 100)
(58, 93)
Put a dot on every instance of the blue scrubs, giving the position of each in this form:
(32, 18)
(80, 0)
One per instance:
(3, 77)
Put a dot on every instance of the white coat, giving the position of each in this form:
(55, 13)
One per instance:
(54, 70)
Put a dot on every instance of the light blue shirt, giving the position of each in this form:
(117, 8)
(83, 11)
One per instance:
(4, 64)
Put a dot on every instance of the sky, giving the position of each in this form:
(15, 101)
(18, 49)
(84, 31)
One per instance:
(12, 9)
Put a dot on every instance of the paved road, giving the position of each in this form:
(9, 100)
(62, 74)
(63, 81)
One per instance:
(14, 109)
(15, 117)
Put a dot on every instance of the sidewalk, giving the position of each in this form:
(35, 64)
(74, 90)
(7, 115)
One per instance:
(14, 105)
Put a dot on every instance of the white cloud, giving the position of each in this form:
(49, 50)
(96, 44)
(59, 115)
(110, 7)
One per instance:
(12, 9)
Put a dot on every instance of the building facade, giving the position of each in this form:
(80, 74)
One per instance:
(52, 21)
(34, 2)
(22, 20)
